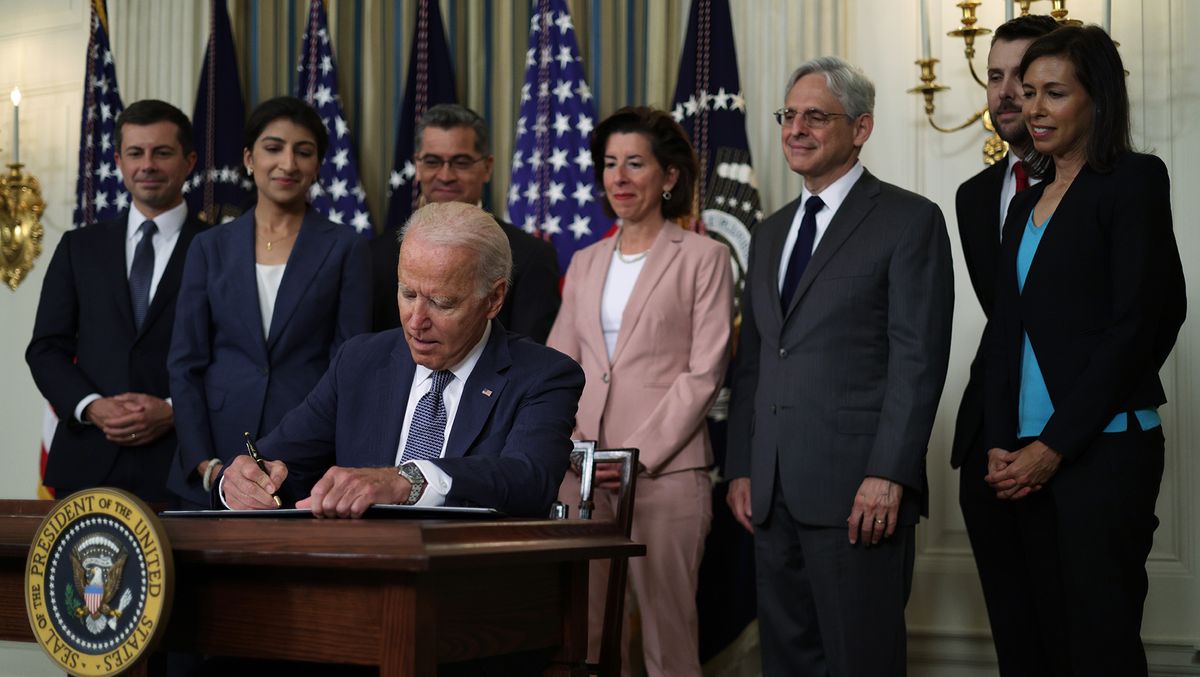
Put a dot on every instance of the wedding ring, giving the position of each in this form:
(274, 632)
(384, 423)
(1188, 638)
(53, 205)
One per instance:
(879, 521)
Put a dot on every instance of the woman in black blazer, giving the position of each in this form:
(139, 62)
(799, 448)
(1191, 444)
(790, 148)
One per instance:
(1090, 298)
(265, 301)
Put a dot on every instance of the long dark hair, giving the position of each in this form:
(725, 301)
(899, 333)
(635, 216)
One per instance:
(1100, 71)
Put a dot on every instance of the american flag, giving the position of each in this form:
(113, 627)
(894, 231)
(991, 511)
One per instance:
(99, 192)
(430, 82)
(710, 107)
(219, 189)
(338, 194)
(552, 192)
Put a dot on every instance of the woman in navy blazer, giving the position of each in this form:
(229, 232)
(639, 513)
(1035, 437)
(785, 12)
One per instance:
(1089, 300)
(265, 301)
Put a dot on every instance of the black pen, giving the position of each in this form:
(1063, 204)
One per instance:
(262, 465)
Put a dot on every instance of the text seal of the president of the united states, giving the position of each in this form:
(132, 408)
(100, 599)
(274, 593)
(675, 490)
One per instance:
(98, 582)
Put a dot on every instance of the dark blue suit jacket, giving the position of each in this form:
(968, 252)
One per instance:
(226, 378)
(84, 342)
(510, 444)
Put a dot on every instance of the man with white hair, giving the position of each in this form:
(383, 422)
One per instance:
(448, 409)
(843, 351)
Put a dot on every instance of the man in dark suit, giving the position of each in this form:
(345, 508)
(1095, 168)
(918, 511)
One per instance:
(453, 163)
(449, 409)
(103, 327)
(981, 206)
(843, 351)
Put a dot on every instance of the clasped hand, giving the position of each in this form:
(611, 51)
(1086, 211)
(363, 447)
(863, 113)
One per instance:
(1016, 474)
(131, 419)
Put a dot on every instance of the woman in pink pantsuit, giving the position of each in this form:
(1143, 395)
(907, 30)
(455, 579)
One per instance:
(647, 314)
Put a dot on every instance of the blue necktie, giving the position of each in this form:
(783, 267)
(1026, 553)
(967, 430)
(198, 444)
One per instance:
(427, 432)
(141, 273)
(802, 252)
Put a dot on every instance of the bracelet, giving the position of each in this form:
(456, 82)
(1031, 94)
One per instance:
(208, 473)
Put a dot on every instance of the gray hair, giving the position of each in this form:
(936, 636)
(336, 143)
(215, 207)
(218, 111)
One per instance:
(452, 116)
(851, 87)
(457, 224)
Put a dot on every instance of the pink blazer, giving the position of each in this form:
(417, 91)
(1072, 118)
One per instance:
(671, 352)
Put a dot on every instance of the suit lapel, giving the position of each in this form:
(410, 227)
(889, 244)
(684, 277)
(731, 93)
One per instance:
(394, 382)
(662, 253)
(238, 245)
(984, 242)
(775, 235)
(858, 203)
(113, 262)
(168, 285)
(1063, 217)
(484, 387)
(593, 295)
(303, 264)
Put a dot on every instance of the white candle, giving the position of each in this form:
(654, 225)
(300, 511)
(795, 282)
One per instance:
(925, 50)
(1108, 16)
(1008, 10)
(16, 100)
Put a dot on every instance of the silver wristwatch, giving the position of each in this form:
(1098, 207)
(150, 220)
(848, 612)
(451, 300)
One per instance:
(416, 479)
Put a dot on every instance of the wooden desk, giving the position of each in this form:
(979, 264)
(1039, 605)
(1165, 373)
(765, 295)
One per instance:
(403, 595)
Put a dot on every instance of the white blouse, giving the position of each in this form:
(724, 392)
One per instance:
(269, 278)
(618, 286)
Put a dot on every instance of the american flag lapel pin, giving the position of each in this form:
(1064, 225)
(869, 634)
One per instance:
(487, 392)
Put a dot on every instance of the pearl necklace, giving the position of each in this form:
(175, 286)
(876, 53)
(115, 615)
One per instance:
(632, 258)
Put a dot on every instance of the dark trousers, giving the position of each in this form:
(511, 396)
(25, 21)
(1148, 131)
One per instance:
(1011, 555)
(136, 470)
(1086, 536)
(828, 608)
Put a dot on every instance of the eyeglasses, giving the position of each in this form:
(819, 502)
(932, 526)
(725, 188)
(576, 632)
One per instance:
(459, 163)
(812, 117)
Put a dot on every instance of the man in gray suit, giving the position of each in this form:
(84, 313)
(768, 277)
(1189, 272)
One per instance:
(844, 344)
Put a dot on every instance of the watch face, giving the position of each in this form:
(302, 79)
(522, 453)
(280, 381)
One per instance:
(416, 480)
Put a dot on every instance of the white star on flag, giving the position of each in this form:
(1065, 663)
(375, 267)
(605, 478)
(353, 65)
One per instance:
(332, 194)
(98, 179)
(552, 135)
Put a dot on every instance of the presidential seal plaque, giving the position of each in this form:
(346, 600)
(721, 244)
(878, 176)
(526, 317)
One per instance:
(98, 582)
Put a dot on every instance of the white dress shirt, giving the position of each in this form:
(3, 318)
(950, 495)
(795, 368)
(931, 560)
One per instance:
(169, 224)
(437, 482)
(833, 196)
(1008, 189)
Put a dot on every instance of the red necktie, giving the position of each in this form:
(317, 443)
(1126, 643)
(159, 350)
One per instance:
(1021, 176)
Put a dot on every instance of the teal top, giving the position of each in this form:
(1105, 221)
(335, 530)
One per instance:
(1035, 407)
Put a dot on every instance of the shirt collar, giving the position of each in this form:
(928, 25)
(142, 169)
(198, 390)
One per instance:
(835, 193)
(462, 370)
(169, 222)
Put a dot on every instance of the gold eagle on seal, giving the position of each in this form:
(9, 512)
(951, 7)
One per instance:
(98, 585)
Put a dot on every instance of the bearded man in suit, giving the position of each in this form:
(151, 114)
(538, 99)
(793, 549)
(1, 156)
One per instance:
(981, 206)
